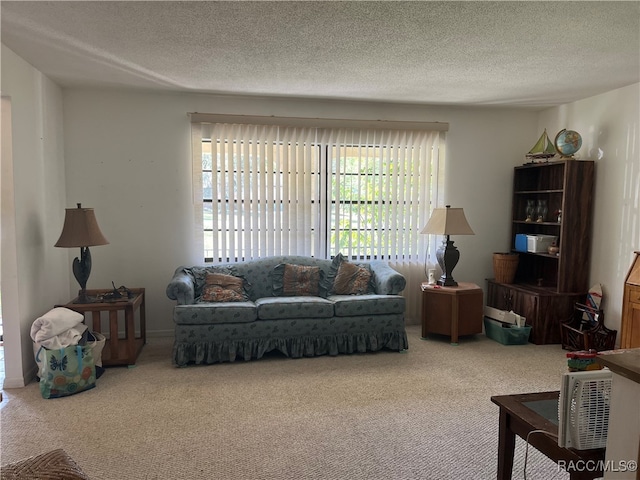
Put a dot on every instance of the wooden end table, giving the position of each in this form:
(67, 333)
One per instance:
(117, 351)
(523, 413)
(452, 311)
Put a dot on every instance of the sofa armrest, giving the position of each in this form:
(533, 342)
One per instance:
(181, 287)
(387, 281)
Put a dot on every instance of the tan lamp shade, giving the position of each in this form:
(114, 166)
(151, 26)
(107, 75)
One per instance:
(80, 229)
(448, 221)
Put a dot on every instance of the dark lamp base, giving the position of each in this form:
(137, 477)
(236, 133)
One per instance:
(447, 282)
(447, 256)
(84, 298)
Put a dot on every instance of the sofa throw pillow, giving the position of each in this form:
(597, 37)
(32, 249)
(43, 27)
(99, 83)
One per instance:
(220, 287)
(224, 280)
(352, 279)
(199, 275)
(347, 278)
(215, 293)
(297, 280)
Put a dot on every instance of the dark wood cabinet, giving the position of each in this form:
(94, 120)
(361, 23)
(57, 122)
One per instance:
(543, 309)
(553, 199)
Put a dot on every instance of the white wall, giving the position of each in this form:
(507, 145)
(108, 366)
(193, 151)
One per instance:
(35, 275)
(128, 156)
(610, 129)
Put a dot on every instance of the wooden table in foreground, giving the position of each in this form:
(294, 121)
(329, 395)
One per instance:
(117, 351)
(517, 418)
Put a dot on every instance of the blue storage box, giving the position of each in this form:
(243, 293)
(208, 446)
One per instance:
(511, 335)
(521, 242)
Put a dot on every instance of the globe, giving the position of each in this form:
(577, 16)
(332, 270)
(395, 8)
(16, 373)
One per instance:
(568, 142)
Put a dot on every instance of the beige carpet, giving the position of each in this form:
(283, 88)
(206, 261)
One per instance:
(423, 414)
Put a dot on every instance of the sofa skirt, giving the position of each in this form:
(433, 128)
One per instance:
(207, 344)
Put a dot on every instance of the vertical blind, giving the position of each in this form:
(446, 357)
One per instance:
(380, 191)
(268, 189)
(260, 191)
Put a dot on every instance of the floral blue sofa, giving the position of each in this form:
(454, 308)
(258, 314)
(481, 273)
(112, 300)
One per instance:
(268, 318)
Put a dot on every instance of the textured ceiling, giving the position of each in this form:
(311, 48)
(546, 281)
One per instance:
(534, 54)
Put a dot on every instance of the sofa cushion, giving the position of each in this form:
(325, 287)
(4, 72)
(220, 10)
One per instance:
(372, 304)
(277, 308)
(297, 280)
(208, 313)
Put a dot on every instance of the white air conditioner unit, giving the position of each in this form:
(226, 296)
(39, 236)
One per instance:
(583, 409)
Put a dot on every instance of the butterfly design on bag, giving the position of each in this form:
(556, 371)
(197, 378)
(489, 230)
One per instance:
(58, 365)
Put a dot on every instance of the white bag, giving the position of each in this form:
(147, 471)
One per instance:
(97, 345)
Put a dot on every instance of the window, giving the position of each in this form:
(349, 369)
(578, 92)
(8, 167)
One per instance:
(260, 192)
(380, 193)
(280, 190)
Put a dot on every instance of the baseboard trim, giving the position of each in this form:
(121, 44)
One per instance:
(19, 382)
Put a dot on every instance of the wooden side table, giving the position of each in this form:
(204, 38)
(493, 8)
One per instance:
(117, 351)
(452, 311)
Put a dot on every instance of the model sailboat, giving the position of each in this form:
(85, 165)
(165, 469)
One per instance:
(542, 150)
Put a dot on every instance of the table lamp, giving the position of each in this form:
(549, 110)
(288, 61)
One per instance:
(447, 221)
(81, 229)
